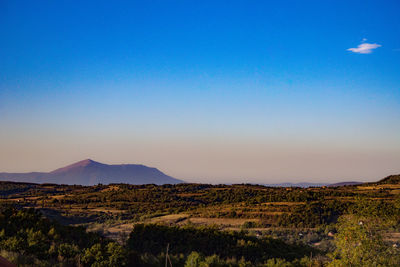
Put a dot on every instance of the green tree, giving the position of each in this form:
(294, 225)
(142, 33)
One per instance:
(194, 259)
(359, 242)
(93, 256)
(14, 243)
(66, 251)
(278, 263)
(117, 255)
(110, 255)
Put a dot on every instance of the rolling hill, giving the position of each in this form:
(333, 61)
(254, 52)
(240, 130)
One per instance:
(89, 172)
(391, 179)
(345, 183)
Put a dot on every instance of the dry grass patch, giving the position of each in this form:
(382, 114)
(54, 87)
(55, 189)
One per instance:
(392, 237)
(111, 188)
(117, 232)
(170, 218)
(283, 203)
(395, 192)
(106, 210)
(378, 187)
(221, 221)
(267, 212)
(189, 194)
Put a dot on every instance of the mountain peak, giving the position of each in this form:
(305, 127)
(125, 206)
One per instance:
(85, 162)
(82, 163)
(90, 172)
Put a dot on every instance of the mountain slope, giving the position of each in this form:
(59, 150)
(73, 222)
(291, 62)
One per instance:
(89, 172)
(345, 183)
(391, 179)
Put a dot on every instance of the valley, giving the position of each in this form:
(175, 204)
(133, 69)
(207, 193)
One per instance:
(295, 215)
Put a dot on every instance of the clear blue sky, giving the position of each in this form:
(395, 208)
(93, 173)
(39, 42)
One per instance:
(213, 91)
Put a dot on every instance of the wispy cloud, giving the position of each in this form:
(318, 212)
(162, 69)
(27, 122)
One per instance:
(364, 48)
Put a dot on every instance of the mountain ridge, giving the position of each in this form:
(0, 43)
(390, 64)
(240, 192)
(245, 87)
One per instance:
(391, 179)
(90, 172)
(345, 183)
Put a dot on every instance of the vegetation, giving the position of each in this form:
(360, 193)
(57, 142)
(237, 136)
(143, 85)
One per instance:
(31, 240)
(151, 238)
(37, 241)
(201, 225)
(360, 242)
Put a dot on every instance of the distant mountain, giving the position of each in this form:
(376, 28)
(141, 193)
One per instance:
(89, 172)
(345, 183)
(391, 179)
(304, 185)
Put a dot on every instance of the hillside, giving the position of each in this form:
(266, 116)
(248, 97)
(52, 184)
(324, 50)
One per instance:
(250, 221)
(391, 179)
(89, 172)
(345, 183)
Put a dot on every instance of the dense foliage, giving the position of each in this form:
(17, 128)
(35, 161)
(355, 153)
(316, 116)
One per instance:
(360, 239)
(308, 207)
(29, 239)
(151, 238)
(37, 241)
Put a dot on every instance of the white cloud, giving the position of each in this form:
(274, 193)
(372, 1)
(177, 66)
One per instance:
(364, 48)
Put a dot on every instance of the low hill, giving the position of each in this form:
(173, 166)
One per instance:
(391, 179)
(303, 185)
(89, 172)
(345, 184)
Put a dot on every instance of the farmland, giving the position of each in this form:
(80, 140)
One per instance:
(305, 217)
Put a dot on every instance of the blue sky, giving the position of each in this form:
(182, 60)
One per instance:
(252, 91)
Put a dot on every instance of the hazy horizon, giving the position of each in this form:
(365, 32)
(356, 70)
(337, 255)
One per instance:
(227, 92)
(230, 180)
